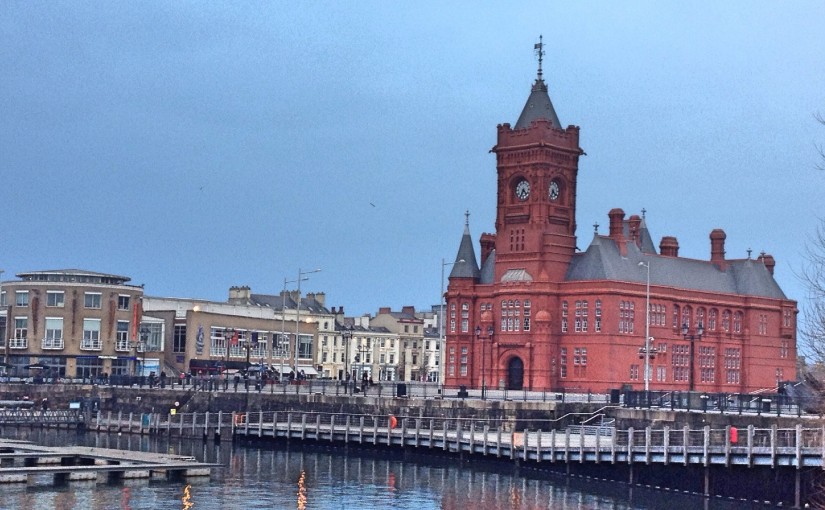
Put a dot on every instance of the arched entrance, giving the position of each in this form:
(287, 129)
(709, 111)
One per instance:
(515, 374)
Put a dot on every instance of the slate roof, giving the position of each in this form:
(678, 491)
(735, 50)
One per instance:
(603, 261)
(488, 270)
(538, 106)
(277, 303)
(465, 265)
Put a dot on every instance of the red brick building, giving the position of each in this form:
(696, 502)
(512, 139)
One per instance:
(534, 312)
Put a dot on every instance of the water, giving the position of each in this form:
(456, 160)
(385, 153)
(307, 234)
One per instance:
(283, 476)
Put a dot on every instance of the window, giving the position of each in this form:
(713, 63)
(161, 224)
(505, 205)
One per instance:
(21, 298)
(676, 324)
(627, 316)
(305, 346)
(89, 368)
(634, 372)
(464, 361)
(598, 325)
(123, 302)
(122, 336)
(92, 300)
(680, 362)
(700, 317)
(54, 298)
(737, 322)
(91, 334)
(686, 316)
(564, 317)
(578, 319)
(54, 333)
(785, 348)
(452, 317)
(763, 324)
(584, 316)
(707, 364)
(726, 321)
(526, 315)
(787, 318)
(20, 339)
(661, 374)
(563, 362)
(415, 329)
(154, 335)
(219, 341)
(733, 363)
(712, 319)
(406, 328)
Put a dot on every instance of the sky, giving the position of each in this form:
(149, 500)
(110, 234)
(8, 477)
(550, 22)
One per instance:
(193, 146)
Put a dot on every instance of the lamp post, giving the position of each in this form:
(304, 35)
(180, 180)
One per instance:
(144, 337)
(700, 330)
(346, 336)
(298, 315)
(228, 334)
(480, 340)
(647, 351)
(441, 368)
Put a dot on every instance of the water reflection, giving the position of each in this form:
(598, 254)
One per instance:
(287, 476)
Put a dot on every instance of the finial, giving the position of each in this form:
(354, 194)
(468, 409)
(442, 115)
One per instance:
(749, 253)
(539, 48)
(467, 218)
(596, 228)
(643, 212)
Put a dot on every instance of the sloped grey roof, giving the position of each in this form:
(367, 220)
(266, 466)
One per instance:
(538, 106)
(488, 270)
(516, 275)
(277, 303)
(602, 261)
(465, 265)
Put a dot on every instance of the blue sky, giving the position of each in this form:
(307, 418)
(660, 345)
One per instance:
(193, 146)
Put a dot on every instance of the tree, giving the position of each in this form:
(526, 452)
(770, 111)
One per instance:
(812, 324)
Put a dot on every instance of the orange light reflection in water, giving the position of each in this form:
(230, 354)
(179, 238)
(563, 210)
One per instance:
(302, 491)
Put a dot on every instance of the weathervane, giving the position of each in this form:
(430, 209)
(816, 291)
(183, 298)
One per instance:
(467, 218)
(539, 48)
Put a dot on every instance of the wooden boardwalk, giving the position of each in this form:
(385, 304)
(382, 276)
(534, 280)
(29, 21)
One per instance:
(21, 461)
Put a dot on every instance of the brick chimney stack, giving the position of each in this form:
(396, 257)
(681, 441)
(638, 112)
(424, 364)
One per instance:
(669, 246)
(717, 248)
(488, 244)
(769, 261)
(617, 229)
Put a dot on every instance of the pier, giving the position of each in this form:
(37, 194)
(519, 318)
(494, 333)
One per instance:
(22, 462)
(626, 455)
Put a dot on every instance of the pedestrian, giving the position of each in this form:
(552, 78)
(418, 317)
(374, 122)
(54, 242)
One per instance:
(162, 379)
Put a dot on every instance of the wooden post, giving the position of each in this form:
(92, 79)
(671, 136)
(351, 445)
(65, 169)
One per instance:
(630, 450)
(647, 444)
(685, 443)
(331, 428)
(706, 446)
(666, 445)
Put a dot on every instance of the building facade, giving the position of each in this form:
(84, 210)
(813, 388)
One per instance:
(533, 312)
(72, 323)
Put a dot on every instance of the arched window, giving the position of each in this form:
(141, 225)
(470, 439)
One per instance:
(686, 316)
(726, 321)
(712, 315)
(737, 322)
(700, 317)
(564, 317)
(676, 324)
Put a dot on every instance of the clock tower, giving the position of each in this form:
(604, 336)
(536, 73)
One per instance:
(537, 164)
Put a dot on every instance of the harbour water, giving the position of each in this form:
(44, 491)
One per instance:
(282, 476)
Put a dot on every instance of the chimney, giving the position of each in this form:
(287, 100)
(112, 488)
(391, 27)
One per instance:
(717, 248)
(488, 244)
(616, 224)
(669, 247)
(635, 223)
(239, 295)
(321, 297)
(384, 310)
(410, 310)
(769, 261)
(295, 295)
(617, 229)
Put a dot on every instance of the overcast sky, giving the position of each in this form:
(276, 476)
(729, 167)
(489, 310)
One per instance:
(193, 146)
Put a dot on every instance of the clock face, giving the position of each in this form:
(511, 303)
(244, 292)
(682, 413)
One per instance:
(554, 190)
(522, 189)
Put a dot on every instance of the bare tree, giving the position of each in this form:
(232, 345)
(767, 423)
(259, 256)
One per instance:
(812, 325)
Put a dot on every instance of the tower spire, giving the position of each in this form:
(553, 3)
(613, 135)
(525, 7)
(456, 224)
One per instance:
(539, 48)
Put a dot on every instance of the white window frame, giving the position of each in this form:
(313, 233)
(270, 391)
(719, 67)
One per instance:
(92, 295)
(91, 336)
(59, 298)
(54, 336)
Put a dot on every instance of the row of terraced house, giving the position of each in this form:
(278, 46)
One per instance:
(77, 324)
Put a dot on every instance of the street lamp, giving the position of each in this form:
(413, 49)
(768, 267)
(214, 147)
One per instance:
(298, 315)
(700, 330)
(480, 340)
(441, 319)
(647, 351)
(346, 336)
